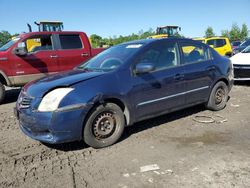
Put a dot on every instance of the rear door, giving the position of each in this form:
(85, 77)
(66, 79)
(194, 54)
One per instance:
(39, 60)
(199, 71)
(72, 51)
(162, 89)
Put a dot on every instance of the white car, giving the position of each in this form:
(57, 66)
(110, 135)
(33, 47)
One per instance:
(241, 64)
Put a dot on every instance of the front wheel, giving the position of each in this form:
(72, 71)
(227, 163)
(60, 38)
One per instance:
(104, 126)
(2, 92)
(218, 97)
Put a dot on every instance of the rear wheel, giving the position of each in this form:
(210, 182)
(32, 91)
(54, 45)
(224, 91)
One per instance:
(104, 126)
(2, 92)
(218, 97)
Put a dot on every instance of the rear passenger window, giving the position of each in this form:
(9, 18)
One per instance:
(194, 53)
(216, 42)
(70, 41)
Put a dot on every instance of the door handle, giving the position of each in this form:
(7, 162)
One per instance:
(53, 56)
(84, 54)
(179, 76)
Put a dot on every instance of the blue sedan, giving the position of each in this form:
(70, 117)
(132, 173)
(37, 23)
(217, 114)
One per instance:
(124, 84)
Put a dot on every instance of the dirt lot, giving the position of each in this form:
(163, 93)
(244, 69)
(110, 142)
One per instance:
(186, 153)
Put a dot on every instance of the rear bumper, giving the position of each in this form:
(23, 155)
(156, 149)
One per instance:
(52, 127)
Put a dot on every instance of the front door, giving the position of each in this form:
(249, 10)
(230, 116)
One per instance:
(40, 60)
(162, 89)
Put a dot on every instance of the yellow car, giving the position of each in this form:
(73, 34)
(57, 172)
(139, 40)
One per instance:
(221, 44)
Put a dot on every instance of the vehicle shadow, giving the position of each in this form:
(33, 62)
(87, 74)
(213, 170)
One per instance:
(71, 146)
(137, 127)
(155, 122)
(11, 95)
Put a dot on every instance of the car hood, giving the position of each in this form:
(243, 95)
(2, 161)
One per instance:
(39, 87)
(241, 59)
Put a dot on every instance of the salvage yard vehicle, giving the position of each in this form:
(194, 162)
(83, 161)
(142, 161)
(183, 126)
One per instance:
(30, 56)
(166, 31)
(221, 44)
(241, 64)
(242, 46)
(124, 84)
(235, 44)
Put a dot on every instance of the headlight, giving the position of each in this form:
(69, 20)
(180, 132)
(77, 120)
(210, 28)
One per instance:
(51, 100)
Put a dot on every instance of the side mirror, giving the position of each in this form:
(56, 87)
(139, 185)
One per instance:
(212, 46)
(142, 68)
(20, 50)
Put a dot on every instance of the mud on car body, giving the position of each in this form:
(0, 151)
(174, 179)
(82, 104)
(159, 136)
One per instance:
(124, 84)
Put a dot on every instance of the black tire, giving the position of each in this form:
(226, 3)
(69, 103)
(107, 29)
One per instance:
(2, 92)
(218, 97)
(104, 126)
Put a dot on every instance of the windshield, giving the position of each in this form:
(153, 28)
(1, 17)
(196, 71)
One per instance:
(168, 30)
(111, 58)
(245, 43)
(246, 50)
(9, 44)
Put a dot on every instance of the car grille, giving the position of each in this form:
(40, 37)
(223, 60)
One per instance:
(241, 71)
(24, 100)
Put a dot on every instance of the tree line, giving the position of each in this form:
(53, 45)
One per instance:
(234, 33)
(98, 41)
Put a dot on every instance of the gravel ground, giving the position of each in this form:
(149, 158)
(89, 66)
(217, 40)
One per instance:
(185, 153)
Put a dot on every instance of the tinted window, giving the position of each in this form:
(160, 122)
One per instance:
(70, 41)
(245, 43)
(216, 42)
(193, 53)
(161, 55)
(246, 50)
(39, 43)
(236, 43)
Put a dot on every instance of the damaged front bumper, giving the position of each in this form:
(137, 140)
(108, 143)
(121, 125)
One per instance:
(60, 126)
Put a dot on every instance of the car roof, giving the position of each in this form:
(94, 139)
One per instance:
(217, 37)
(148, 41)
(50, 32)
(199, 38)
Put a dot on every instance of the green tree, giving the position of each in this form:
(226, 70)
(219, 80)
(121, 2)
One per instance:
(209, 32)
(244, 32)
(4, 37)
(225, 33)
(235, 32)
(95, 40)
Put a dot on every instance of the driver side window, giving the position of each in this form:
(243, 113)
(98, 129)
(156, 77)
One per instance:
(38, 43)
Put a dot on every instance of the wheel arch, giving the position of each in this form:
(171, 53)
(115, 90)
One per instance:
(220, 79)
(4, 79)
(114, 100)
(223, 80)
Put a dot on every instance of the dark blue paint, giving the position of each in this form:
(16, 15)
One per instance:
(174, 88)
